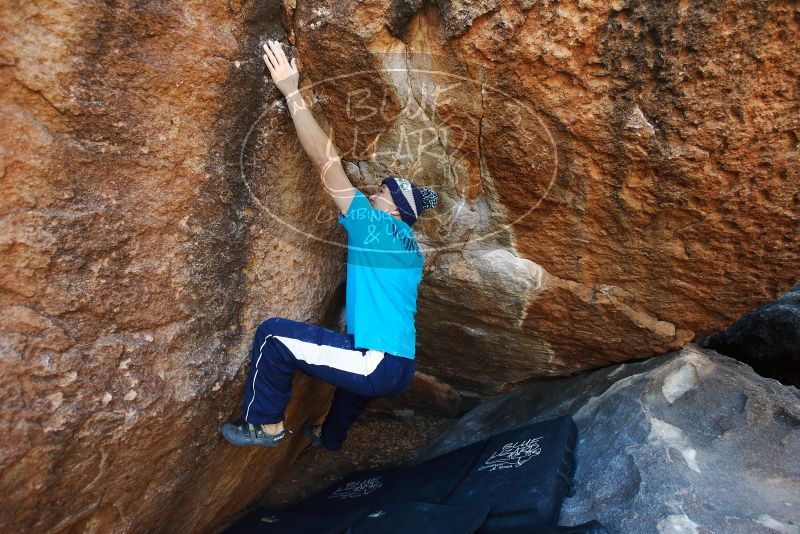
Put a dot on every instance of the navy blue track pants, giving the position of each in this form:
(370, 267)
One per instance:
(281, 345)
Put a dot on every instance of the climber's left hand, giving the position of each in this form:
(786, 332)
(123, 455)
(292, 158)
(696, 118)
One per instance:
(284, 75)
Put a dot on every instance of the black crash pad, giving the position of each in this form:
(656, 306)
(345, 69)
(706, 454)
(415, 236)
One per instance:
(592, 527)
(518, 523)
(268, 521)
(429, 482)
(422, 518)
(522, 474)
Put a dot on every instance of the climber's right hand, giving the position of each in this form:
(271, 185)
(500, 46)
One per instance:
(284, 75)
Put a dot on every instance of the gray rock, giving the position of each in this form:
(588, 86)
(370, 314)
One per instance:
(767, 338)
(691, 441)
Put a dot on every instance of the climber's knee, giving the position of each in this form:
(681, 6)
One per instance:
(268, 326)
(274, 326)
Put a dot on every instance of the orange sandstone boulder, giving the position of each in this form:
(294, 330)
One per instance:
(615, 179)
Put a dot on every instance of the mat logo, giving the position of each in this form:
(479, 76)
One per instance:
(357, 489)
(513, 454)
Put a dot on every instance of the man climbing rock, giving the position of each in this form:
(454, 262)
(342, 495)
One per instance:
(384, 268)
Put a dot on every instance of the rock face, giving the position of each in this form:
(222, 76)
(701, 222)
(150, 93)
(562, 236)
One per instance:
(613, 175)
(599, 164)
(616, 177)
(136, 264)
(691, 441)
(767, 338)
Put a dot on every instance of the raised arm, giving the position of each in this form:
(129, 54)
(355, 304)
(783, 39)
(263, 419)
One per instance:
(315, 142)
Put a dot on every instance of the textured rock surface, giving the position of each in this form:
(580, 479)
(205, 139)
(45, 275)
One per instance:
(156, 207)
(767, 338)
(691, 441)
(135, 264)
(646, 154)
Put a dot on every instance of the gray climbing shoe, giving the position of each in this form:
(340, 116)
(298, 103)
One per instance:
(316, 441)
(247, 434)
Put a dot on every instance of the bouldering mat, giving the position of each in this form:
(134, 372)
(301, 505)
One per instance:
(429, 482)
(269, 521)
(522, 523)
(422, 518)
(519, 478)
(522, 474)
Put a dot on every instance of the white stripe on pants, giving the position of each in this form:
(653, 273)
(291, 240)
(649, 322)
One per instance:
(352, 361)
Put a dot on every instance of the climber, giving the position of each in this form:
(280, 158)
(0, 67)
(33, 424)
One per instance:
(384, 268)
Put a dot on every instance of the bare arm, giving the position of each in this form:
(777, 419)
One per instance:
(319, 147)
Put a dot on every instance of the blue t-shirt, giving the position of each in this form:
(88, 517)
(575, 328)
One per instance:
(384, 269)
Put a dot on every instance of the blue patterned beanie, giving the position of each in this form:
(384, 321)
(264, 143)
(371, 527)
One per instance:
(410, 200)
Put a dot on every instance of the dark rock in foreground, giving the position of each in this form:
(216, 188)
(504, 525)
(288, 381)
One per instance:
(691, 441)
(767, 338)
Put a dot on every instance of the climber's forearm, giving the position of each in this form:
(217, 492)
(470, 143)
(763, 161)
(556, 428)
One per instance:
(315, 142)
(317, 145)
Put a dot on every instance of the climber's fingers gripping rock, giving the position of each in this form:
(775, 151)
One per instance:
(283, 73)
